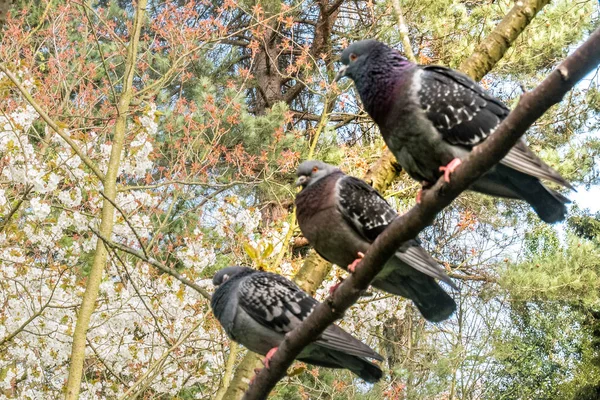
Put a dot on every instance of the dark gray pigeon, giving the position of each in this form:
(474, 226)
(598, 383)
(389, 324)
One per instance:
(431, 117)
(341, 216)
(258, 308)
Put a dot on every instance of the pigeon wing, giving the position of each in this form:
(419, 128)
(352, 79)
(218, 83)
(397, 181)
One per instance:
(461, 111)
(278, 304)
(363, 208)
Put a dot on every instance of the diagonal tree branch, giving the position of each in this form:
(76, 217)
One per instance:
(403, 29)
(492, 48)
(532, 106)
(86, 160)
(152, 262)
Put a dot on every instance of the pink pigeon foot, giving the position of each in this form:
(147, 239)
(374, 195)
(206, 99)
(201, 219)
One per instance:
(352, 267)
(448, 169)
(269, 356)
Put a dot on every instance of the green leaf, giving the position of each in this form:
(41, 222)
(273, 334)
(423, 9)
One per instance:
(268, 251)
(251, 251)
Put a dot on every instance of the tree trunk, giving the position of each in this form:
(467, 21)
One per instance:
(106, 225)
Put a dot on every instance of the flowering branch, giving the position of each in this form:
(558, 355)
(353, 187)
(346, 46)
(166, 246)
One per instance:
(39, 312)
(156, 264)
(86, 160)
(532, 106)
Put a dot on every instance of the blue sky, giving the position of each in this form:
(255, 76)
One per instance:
(587, 198)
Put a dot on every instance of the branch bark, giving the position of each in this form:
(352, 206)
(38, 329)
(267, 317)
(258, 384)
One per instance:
(106, 225)
(492, 48)
(403, 29)
(532, 106)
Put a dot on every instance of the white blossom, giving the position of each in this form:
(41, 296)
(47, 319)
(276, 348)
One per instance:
(39, 209)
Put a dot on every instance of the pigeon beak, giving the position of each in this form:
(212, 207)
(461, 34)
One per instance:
(301, 180)
(341, 73)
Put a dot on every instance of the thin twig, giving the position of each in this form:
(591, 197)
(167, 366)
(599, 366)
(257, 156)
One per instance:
(152, 262)
(115, 205)
(158, 362)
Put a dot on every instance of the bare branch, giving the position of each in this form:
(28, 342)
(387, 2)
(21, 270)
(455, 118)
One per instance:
(532, 106)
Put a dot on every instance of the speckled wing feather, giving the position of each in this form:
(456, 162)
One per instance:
(275, 302)
(459, 108)
(369, 214)
(278, 304)
(363, 207)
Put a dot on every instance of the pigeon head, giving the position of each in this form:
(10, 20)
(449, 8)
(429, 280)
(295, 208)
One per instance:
(376, 70)
(311, 171)
(224, 274)
(357, 56)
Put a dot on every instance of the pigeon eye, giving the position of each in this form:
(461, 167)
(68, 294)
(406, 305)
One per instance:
(315, 169)
(353, 57)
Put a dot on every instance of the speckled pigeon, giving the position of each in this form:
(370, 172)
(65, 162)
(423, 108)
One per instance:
(431, 117)
(341, 216)
(258, 308)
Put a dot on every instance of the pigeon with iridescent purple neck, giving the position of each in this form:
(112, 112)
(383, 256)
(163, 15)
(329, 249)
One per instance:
(431, 117)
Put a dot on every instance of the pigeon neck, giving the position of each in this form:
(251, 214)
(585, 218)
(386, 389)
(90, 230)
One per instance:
(378, 84)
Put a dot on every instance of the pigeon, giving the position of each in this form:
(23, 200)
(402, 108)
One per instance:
(432, 116)
(257, 309)
(341, 216)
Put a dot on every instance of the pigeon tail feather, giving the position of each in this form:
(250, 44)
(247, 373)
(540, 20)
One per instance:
(548, 204)
(432, 301)
(365, 369)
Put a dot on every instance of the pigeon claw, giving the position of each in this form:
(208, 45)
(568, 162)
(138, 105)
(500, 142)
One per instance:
(352, 267)
(419, 193)
(448, 169)
(269, 356)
